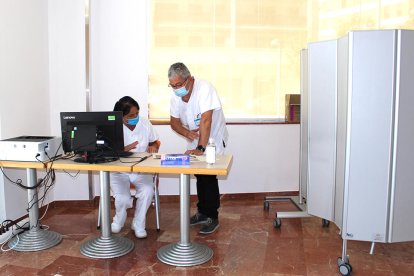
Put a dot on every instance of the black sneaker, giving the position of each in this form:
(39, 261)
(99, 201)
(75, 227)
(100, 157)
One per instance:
(198, 218)
(210, 226)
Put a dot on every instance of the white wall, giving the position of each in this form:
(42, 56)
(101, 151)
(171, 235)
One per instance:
(67, 80)
(265, 159)
(24, 105)
(119, 58)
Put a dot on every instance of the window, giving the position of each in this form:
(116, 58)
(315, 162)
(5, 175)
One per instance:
(250, 50)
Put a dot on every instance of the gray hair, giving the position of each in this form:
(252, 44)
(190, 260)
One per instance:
(178, 69)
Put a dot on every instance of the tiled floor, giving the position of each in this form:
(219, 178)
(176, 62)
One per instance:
(245, 244)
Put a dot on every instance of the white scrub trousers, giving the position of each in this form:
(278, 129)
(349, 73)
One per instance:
(144, 187)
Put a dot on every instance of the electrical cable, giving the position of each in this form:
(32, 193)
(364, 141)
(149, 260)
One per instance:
(49, 177)
(7, 240)
(141, 158)
(44, 214)
(47, 182)
(71, 175)
(17, 227)
(44, 226)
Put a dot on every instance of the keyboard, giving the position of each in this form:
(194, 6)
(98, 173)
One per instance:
(115, 154)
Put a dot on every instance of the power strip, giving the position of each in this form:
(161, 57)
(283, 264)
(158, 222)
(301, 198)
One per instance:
(12, 230)
(6, 236)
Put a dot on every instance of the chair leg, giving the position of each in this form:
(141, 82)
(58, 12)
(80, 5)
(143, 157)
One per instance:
(98, 225)
(157, 204)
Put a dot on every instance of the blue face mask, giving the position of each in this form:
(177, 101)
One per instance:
(134, 121)
(181, 92)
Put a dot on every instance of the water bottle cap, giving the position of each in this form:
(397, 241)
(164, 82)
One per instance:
(211, 140)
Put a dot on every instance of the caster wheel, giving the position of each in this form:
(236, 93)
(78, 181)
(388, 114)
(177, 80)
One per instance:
(266, 205)
(340, 261)
(277, 223)
(325, 223)
(345, 269)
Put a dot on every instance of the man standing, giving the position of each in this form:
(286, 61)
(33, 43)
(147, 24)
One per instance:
(196, 114)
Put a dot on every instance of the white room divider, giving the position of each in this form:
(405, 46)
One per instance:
(322, 99)
(361, 136)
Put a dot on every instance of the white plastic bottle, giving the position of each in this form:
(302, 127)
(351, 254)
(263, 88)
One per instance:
(211, 152)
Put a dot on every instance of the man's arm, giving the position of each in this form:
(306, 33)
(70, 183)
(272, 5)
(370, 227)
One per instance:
(205, 127)
(180, 129)
(153, 147)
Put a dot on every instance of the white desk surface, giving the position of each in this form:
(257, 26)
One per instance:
(150, 165)
(221, 167)
(22, 164)
(69, 164)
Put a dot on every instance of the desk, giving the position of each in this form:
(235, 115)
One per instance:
(185, 252)
(36, 238)
(105, 246)
(182, 253)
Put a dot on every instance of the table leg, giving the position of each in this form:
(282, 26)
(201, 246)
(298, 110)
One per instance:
(106, 246)
(36, 238)
(184, 252)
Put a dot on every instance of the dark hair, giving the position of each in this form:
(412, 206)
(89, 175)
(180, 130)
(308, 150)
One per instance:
(124, 104)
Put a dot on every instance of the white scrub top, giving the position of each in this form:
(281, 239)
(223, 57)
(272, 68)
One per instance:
(203, 98)
(143, 132)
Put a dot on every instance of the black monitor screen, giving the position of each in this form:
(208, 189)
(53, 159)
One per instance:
(97, 136)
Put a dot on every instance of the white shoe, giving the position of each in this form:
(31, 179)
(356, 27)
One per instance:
(115, 228)
(140, 234)
(118, 220)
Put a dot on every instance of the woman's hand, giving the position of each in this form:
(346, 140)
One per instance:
(131, 146)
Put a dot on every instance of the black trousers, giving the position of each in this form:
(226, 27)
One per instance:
(208, 195)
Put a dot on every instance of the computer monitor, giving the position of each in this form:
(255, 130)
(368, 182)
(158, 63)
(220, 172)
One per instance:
(97, 137)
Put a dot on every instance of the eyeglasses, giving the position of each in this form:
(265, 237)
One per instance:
(178, 85)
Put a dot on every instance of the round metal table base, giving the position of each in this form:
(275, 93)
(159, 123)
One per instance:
(184, 255)
(35, 240)
(109, 247)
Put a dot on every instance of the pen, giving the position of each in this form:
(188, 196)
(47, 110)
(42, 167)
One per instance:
(143, 158)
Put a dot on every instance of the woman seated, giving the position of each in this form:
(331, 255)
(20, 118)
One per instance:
(139, 136)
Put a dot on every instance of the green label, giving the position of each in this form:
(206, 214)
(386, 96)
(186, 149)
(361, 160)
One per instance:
(111, 117)
(72, 134)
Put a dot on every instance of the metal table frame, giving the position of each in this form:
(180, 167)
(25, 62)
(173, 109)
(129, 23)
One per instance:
(182, 253)
(106, 245)
(185, 252)
(36, 238)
